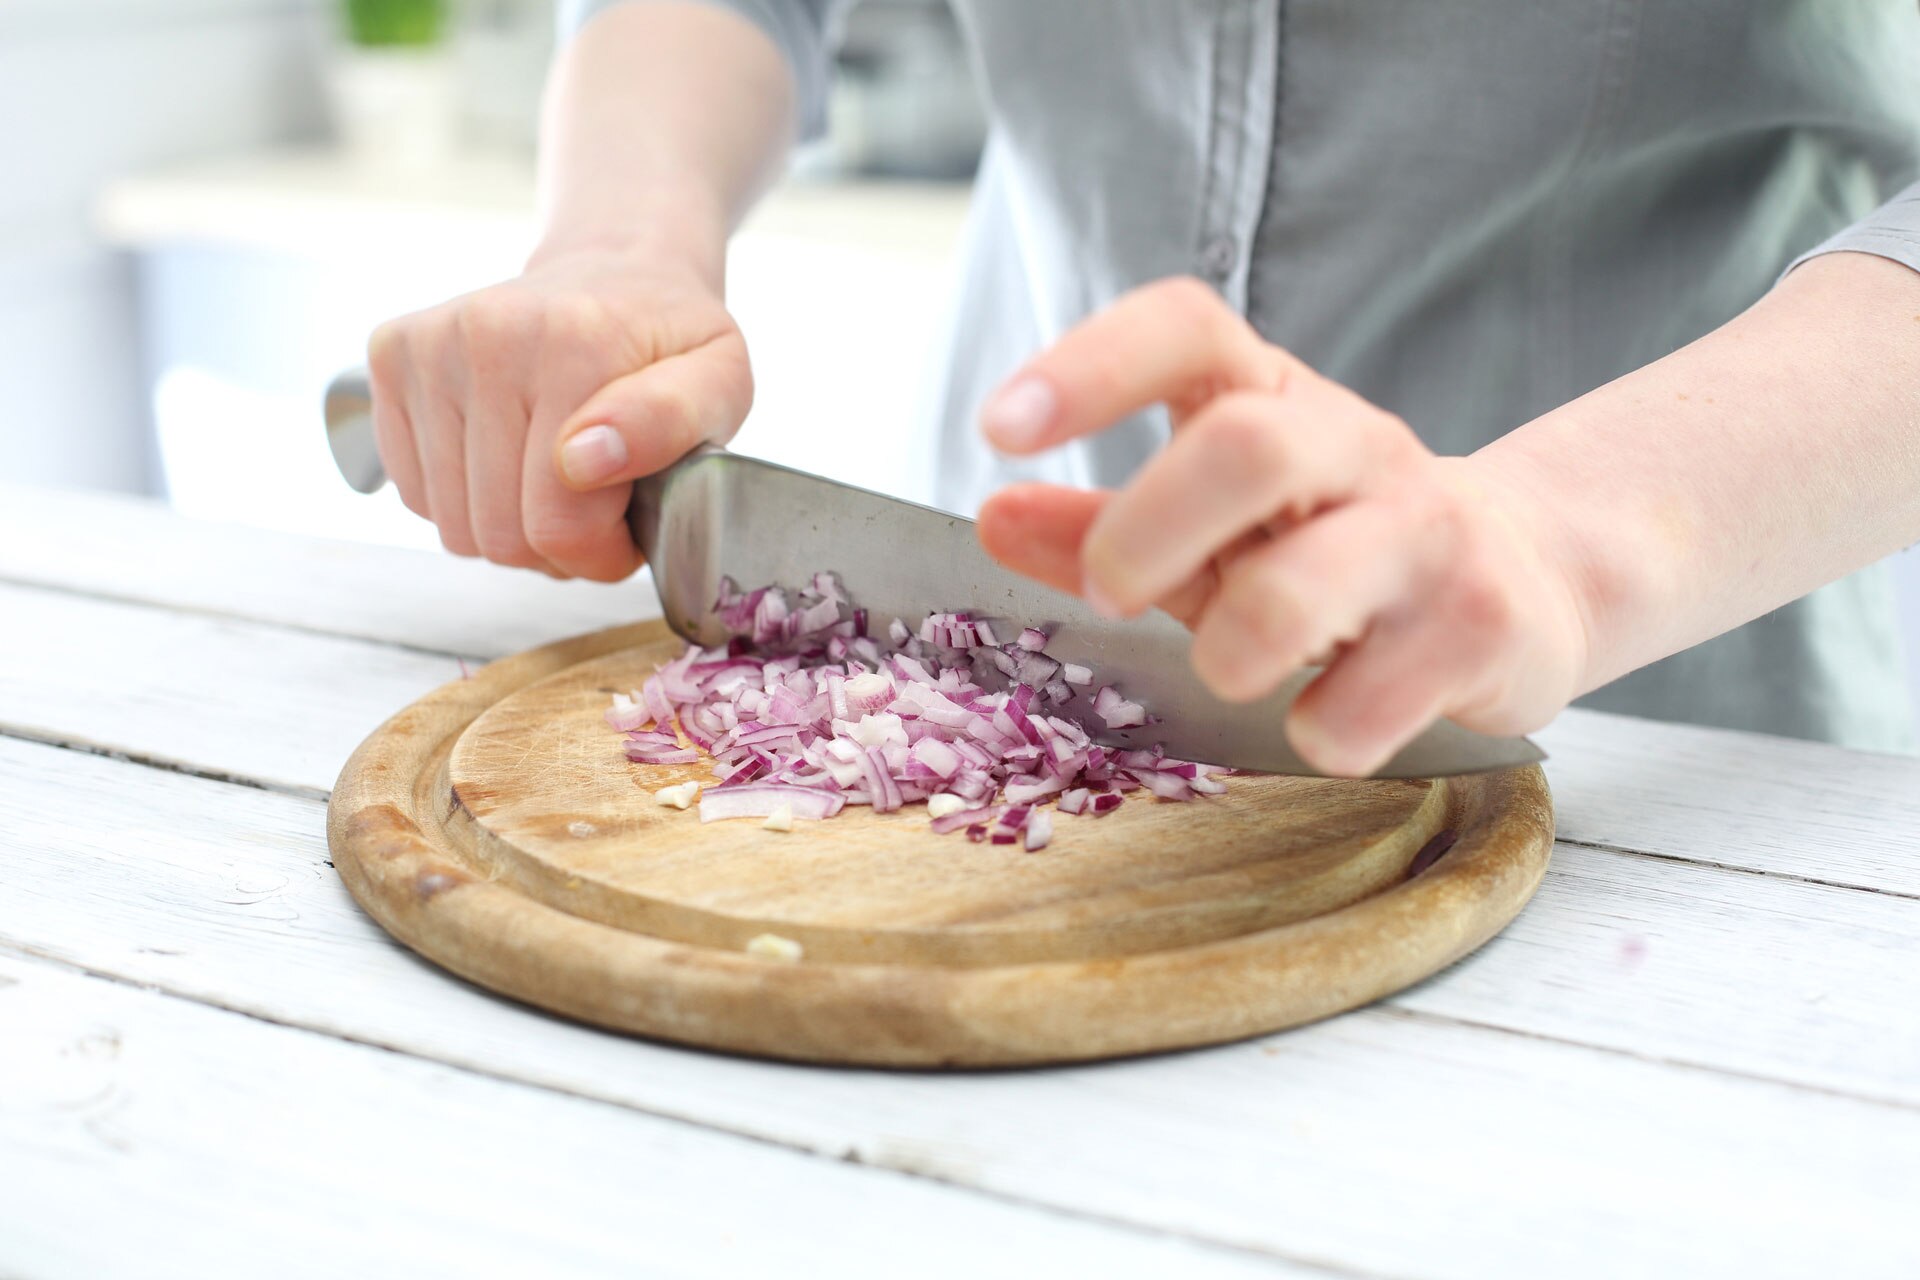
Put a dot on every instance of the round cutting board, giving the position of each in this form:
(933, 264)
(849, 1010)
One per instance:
(496, 827)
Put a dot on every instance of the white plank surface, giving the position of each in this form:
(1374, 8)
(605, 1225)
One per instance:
(1776, 805)
(1746, 800)
(215, 1145)
(278, 707)
(135, 549)
(1697, 1052)
(1595, 1161)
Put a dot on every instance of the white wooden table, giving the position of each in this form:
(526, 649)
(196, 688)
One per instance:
(1696, 1053)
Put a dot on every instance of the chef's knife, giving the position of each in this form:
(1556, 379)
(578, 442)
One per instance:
(715, 514)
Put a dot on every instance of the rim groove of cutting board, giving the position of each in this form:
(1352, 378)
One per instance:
(458, 826)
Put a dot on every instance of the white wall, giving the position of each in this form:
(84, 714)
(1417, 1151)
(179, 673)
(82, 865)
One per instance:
(90, 89)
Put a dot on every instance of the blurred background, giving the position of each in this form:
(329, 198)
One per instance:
(209, 204)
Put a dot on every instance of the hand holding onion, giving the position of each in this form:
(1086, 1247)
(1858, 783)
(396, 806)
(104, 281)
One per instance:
(516, 417)
(1289, 521)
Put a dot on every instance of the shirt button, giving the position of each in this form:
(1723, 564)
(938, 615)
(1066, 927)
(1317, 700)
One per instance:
(1217, 258)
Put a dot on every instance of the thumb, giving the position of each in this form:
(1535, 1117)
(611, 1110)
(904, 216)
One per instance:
(638, 424)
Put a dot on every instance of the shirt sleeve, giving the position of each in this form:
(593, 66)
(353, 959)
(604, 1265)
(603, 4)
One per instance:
(806, 32)
(1891, 231)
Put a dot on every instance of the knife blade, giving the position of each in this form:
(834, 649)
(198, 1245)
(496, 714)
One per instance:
(717, 514)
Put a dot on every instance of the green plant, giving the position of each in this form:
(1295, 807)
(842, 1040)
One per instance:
(396, 22)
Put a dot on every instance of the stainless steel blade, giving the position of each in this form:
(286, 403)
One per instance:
(715, 513)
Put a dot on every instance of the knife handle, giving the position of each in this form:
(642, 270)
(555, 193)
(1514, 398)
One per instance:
(348, 410)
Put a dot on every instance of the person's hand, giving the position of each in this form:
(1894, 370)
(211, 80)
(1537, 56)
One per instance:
(515, 418)
(1289, 521)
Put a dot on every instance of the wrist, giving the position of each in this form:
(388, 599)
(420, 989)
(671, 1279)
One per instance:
(687, 232)
(1584, 579)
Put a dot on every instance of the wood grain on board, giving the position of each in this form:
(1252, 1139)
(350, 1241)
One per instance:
(495, 827)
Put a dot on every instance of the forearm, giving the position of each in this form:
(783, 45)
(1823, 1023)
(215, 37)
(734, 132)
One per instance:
(1775, 454)
(663, 122)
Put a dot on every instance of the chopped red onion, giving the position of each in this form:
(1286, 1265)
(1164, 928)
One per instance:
(801, 712)
(764, 802)
(1038, 832)
(965, 818)
(1116, 710)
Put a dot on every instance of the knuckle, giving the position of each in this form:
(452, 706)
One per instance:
(1476, 603)
(737, 386)
(504, 545)
(493, 321)
(574, 321)
(668, 408)
(414, 500)
(1430, 513)
(386, 352)
(1187, 298)
(1244, 443)
(458, 540)
(564, 542)
(1268, 607)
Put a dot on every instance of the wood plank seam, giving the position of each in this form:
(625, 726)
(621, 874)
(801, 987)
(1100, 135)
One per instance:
(852, 1155)
(1391, 1008)
(1602, 847)
(164, 764)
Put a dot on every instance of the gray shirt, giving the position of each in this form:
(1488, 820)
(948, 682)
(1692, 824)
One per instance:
(1468, 211)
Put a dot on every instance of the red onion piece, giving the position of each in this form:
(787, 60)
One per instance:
(761, 801)
(965, 818)
(802, 709)
(1116, 711)
(1038, 832)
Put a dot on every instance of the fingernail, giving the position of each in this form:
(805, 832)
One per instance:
(1098, 600)
(1019, 413)
(593, 456)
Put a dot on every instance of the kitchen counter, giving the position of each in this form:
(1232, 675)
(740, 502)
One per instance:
(1696, 1052)
(318, 202)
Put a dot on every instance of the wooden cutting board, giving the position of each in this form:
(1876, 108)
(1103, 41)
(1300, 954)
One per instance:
(496, 827)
